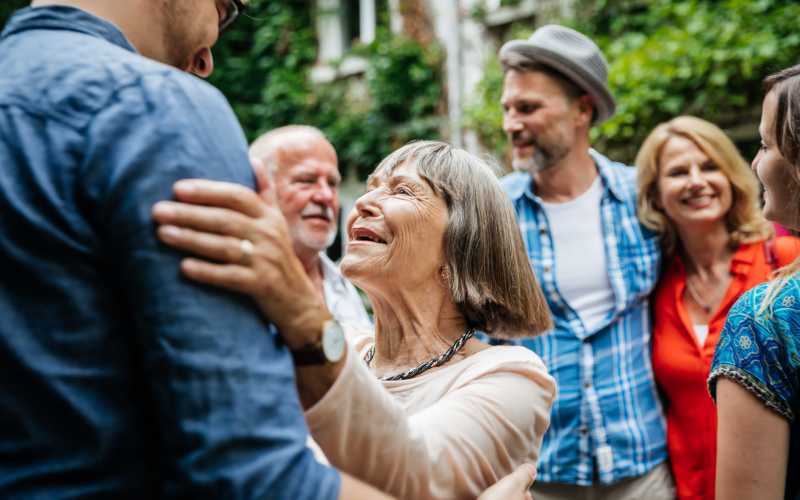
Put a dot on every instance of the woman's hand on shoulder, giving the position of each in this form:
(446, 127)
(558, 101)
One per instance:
(241, 242)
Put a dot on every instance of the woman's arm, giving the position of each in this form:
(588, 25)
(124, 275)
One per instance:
(487, 424)
(514, 486)
(752, 446)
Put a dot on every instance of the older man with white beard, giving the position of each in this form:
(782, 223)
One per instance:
(304, 167)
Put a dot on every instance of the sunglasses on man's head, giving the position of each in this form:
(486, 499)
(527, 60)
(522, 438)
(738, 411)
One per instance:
(233, 9)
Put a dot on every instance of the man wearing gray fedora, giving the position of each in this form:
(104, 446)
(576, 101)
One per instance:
(597, 266)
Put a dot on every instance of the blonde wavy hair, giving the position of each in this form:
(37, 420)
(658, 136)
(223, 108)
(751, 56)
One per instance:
(744, 220)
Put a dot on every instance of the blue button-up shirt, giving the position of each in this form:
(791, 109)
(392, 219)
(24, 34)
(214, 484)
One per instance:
(119, 378)
(607, 418)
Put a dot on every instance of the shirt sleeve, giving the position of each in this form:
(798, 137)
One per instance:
(220, 383)
(759, 349)
(488, 423)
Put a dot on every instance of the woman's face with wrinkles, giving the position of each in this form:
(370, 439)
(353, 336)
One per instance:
(396, 232)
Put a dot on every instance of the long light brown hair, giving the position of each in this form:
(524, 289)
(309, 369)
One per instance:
(786, 85)
(744, 220)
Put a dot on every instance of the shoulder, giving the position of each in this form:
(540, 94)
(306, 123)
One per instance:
(759, 347)
(145, 89)
(747, 312)
(784, 303)
(503, 361)
(88, 76)
(618, 177)
(785, 249)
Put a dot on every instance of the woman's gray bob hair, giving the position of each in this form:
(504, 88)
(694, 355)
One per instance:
(490, 277)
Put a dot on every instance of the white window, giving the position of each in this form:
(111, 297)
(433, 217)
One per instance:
(340, 25)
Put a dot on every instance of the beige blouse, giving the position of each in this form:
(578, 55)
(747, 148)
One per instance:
(446, 434)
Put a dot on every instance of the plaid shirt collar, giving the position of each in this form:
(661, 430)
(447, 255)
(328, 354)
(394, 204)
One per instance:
(610, 178)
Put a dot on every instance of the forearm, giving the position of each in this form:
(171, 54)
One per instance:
(314, 381)
(361, 428)
(353, 489)
(452, 449)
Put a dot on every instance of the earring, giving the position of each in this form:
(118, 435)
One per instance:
(444, 274)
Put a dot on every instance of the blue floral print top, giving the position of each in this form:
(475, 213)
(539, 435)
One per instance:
(760, 350)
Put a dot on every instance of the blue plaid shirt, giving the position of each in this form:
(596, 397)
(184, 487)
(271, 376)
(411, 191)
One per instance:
(607, 417)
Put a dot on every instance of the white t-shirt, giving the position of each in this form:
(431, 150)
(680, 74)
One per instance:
(580, 256)
(700, 333)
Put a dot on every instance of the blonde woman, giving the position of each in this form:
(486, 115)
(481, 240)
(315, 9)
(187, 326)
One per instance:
(696, 190)
(755, 375)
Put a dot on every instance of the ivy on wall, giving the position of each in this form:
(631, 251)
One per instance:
(670, 57)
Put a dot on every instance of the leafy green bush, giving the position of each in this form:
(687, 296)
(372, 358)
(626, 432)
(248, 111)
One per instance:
(263, 68)
(670, 57)
(263, 65)
(8, 7)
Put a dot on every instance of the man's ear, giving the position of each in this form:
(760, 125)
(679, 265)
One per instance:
(265, 183)
(586, 108)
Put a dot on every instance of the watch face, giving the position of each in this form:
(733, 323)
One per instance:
(333, 342)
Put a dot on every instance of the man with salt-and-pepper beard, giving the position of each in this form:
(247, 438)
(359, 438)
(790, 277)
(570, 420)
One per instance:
(596, 265)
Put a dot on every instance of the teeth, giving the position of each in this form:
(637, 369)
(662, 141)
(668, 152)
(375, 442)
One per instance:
(365, 237)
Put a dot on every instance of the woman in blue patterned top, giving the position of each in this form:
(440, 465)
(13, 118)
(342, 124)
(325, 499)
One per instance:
(755, 375)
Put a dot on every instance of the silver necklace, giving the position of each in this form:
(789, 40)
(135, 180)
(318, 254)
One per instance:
(427, 365)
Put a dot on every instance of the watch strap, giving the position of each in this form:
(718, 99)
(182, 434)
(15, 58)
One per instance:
(309, 354)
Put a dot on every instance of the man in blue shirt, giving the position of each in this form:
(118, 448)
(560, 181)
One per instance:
(596, 265)
(120, 379)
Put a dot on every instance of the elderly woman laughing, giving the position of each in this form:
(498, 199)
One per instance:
(419, 408)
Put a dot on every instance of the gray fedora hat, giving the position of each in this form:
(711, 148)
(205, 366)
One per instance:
(571, 53)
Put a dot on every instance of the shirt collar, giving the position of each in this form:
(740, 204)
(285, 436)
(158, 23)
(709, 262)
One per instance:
(330, 271)
(327, 266)
(741, 262)
(520, 183)
(745, 256)
(59, 17)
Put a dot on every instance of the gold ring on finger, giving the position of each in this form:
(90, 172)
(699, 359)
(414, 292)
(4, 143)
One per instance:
(246, 246)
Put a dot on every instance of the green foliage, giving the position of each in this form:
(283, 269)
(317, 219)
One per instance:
(263, 64)
(485, 115)
(670, 57)
(263, 67)
(8, 7)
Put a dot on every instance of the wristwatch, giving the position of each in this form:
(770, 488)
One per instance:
(329, 349)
